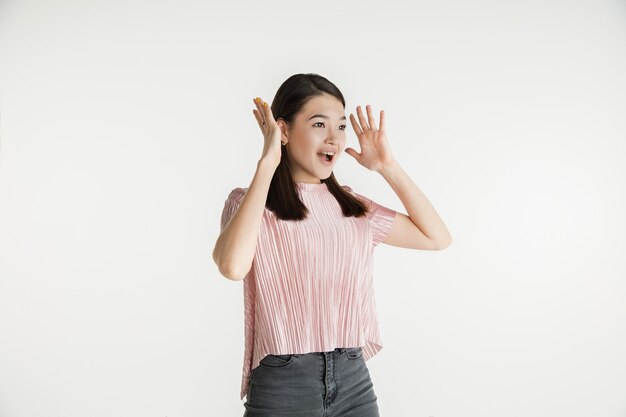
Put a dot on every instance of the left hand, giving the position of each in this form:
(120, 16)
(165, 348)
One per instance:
(375, 152)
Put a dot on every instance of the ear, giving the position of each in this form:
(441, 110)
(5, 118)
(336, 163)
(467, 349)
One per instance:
(284, 129)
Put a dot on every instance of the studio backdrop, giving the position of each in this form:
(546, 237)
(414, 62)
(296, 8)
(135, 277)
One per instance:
(124, 125)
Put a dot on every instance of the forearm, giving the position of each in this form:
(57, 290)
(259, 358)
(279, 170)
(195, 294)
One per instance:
(235, 247)
(419, 209)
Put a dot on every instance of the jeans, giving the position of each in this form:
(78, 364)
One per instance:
(316, 384)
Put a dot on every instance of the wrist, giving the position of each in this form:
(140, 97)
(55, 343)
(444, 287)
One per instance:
(265, 162)
(388, 167)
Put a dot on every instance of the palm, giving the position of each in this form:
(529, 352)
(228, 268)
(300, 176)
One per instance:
(375, 152)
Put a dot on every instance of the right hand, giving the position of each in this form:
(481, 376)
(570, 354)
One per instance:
(270, 129)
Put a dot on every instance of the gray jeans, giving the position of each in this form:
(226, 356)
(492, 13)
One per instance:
(317, 384)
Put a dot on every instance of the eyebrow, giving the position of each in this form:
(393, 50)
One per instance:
(323, 116)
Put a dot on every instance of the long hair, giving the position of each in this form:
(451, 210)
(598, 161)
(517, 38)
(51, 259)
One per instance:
(282, 197)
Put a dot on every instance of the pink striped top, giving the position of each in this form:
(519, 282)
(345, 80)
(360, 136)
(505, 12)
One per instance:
(310, 285)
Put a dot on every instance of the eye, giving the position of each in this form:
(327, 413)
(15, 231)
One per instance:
(343, 127)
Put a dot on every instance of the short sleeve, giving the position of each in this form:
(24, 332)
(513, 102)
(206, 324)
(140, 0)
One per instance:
(231, 205)
(380, 218)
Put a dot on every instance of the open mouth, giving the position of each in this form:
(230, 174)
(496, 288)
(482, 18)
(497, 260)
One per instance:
(326, 157)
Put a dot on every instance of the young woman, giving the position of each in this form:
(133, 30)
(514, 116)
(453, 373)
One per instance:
(303, 245)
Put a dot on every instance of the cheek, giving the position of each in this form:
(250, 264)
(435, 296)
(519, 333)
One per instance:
(304, 154)
(342, 144)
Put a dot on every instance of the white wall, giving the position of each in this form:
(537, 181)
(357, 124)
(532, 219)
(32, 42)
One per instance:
(125, 124)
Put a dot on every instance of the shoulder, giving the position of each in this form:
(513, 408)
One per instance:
(348, 189)
(237, 193)
(354, 193)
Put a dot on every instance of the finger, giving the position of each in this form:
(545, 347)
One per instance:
(364, 124)
(370, 117)
(255, 116)
(353, 153)
(257, 101)
(382, 120)
(268, 111)
(355, 125)
(258, 118)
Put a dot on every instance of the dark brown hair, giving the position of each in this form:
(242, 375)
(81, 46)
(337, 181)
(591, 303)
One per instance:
(282, 197)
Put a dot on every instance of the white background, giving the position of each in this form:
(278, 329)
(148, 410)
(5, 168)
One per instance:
(125, 124)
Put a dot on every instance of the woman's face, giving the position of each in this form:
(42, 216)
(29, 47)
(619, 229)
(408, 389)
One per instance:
(319, 127)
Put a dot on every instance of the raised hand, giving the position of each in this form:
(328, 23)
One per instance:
(270, 129)
(375, 152)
